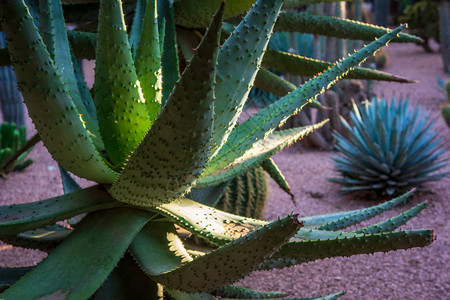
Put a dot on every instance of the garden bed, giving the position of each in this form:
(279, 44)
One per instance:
(411, 274)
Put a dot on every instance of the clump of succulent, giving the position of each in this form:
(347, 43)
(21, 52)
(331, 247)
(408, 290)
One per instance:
(12, 140)
(391, 148)
(445, 109)
(147, 152)
(423, 19)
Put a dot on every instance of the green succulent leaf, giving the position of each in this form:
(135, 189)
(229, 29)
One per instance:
(180, 295)
(236, 60)
(266, 120)
(213, 225)
(121, 109)
(336, 27)
(168, 39)
(69, 184)
(54, 34)
(148, 61)
(174, 152)
(304, 66)
(275, 173)
(239, 292)
(198, 13)
(136, 26)
(208, 196)
(10, 275)
(48, 100)
(221, 267)
(364, 214)
(338, 217)
(393, 223)
(299, 252)
(83, 43)
(254, 154)
(99, 242)
(22, 217)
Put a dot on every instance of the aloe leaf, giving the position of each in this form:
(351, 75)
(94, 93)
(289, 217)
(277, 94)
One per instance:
(256, 153)
(50, 233)
(208, 196)
(10, 275)
(238, 65)
(213, 225)
(333, 218)
(364, 214)
(126, 282)
(174, 152)
(54, 34)
(48, 100)
(69, 184)
(304, 66)
(121, 110)
(393, 223)
(169, 58)
(22, 217)
(136, 26)
(220, 267)
(293, 253)
(289, 4)
(157, 249)
(198, 13)
(336, 27)
(148, 62)
(266, 120)
(180, 295)
(89, 255)
(275, 173)
(83, 43)
(239, 292)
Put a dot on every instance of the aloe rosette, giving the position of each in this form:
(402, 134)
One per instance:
(146, 152)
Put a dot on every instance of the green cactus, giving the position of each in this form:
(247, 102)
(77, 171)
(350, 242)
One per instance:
(445, 110)
(145, 166)
(246, 194)
(391, 148)
(11, 105)
(12, 155)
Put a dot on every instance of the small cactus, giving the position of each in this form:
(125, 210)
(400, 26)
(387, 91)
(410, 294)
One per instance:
(445, 110)
(391, 148)
(11, 141)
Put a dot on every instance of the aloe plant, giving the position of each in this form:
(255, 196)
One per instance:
(146, 157)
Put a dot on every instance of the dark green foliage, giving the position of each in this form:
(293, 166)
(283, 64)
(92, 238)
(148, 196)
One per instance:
(445, 110)
(423, 20)
(391, 148)
(12, 140)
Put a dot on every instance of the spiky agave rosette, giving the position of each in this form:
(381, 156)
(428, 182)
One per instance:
(391, 148)
(146, 156)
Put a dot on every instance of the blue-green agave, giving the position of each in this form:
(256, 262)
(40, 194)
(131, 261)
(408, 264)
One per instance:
(147, 151)
(391, 148)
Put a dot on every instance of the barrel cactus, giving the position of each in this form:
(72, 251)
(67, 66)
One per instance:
(148, 152)
(391, 148)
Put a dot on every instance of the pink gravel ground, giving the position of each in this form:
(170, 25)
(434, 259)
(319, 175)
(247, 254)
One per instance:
(412, 274)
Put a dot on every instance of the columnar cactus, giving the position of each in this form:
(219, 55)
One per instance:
(146, 168)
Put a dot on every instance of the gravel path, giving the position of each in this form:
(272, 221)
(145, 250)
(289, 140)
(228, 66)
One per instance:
(411, 274)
